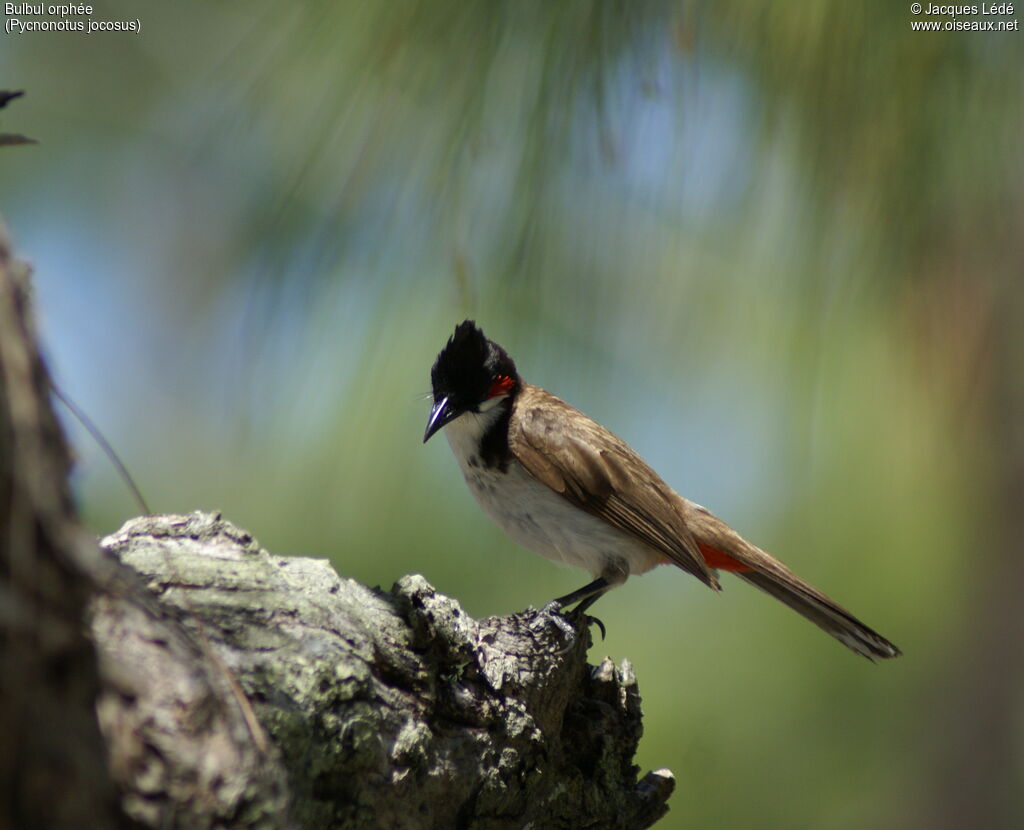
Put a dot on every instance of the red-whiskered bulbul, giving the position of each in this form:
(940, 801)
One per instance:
(565, 487)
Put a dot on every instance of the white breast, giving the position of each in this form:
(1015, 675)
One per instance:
(540, 519)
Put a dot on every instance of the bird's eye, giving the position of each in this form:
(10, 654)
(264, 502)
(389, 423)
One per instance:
(501, 385)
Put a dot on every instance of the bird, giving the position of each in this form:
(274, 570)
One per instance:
(563, 486)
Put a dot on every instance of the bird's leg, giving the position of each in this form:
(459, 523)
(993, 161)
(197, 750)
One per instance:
(585, 597)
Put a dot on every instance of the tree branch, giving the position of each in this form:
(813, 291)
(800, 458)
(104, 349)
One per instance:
(52, 760)
(384, 709)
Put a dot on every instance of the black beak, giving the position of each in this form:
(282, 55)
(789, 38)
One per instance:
(441, 414)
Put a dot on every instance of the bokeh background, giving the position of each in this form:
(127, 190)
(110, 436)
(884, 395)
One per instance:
(777, 247)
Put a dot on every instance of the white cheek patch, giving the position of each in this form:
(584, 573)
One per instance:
(490, 403)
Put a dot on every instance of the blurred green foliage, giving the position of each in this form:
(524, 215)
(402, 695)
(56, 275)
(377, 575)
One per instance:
(774, 246)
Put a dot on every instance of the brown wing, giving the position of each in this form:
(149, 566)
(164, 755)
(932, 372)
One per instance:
(598, 472)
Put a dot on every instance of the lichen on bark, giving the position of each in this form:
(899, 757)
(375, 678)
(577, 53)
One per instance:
(378, 708)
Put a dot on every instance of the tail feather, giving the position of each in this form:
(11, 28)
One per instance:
(753, 565)
(824, 613)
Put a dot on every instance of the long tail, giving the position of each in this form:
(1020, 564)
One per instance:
(725, 549)
(824, 613)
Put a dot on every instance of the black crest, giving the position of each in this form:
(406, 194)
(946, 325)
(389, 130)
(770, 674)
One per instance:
(468, 365)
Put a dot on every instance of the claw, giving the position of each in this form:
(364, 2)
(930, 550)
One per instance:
(563, 625)
(567, 622)
(582, 618)
(551, 613)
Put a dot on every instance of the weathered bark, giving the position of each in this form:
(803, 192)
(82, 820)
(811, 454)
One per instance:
(52, 760)
(381, 709)
(238, 689)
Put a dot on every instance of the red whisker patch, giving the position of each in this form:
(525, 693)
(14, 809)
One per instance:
(502, 386)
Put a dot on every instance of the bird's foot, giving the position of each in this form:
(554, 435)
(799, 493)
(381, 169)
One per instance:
(568, 623)
(552, 613)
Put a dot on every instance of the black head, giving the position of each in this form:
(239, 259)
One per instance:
(469, 371)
